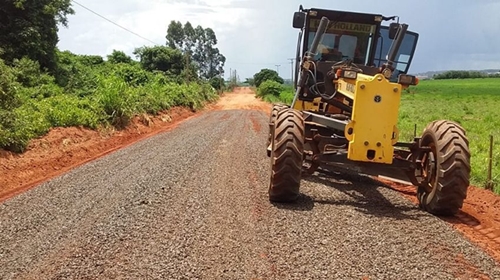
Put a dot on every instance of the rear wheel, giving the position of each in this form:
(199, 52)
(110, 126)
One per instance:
(286, 156)
(444, 169)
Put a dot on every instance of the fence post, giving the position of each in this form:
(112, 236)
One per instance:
(489, 184)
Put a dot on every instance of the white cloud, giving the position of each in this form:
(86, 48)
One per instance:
(256, 34)
(87, 33)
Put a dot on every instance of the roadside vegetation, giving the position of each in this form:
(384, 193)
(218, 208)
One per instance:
(42, 87)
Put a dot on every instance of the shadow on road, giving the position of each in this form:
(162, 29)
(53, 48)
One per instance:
(303, 203)
(363, 195)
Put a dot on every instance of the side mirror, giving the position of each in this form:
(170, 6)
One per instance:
(299, 19)
(393, 30)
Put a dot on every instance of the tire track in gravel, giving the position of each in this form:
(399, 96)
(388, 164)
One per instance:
(192, 203)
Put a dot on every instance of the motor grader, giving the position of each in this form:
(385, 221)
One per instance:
(350, 75)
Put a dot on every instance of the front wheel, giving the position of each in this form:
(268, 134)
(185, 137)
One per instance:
(444, 168)
(272, 118)
(286, 156)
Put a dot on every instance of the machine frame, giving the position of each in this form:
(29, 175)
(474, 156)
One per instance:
(345, 114)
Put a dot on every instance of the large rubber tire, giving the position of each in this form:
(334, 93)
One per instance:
(447, 187)
(287, 156)
(272, 118)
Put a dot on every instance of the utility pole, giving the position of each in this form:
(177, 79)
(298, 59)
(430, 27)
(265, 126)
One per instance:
(278, 68)
(291, 67)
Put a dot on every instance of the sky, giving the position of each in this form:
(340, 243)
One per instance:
(257, 34)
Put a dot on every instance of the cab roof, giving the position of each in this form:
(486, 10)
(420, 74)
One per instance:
(345, 16)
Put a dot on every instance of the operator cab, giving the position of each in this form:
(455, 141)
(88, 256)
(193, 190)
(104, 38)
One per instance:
(356, 37)
(342, 40)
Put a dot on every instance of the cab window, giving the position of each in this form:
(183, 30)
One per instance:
(404, 55)
(343, 40)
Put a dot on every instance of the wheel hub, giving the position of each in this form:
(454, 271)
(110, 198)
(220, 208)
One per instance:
(429, 170)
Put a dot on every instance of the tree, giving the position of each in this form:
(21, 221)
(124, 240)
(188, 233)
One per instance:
(175, 35)
(265, 75)
(161, 58)
(198, 45)
(29, 29)
(217, 83)
(250, 81)
(119, 57)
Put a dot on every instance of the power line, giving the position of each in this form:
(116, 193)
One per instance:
(124, 28)
(252, 63)
(144, 38)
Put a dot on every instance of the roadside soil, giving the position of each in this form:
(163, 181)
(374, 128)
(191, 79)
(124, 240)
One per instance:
(65, 148)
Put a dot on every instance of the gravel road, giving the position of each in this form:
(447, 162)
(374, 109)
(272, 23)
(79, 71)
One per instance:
(192, 203)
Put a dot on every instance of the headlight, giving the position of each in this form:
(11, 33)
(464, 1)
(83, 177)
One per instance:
(407, 80)
(349, 74)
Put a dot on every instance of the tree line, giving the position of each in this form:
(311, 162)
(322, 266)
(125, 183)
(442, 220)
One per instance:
(454, 74)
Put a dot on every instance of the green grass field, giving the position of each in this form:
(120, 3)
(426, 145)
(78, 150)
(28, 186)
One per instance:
(473, 103)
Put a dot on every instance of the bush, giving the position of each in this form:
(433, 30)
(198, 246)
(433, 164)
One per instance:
(286, 96)
(28, 73)
(9, 100)
(67, 110)
(269, 87)
(9, 86)
(266, 75)
(28, 123)
(133, 75)
(114, 97)
(40, 92)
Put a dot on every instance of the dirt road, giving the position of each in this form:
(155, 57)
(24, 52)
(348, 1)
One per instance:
(191, 203)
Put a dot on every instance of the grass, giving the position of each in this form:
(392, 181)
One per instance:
(285, 96)
(473, 103)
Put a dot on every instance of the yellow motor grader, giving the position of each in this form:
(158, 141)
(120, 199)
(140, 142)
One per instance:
(350, 75)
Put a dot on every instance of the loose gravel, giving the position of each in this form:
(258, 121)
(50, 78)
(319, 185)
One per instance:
(192, 204)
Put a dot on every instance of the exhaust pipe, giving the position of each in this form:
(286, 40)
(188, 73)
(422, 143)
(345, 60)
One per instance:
(393, 51)
(323, 24)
